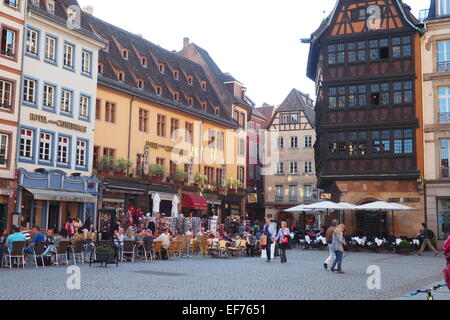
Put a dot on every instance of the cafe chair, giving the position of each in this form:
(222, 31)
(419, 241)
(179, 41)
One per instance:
(157, 249)
(18, 253)
(129, 247)
(62, 250)
(148, 250)
(38, 252)
(78, 250)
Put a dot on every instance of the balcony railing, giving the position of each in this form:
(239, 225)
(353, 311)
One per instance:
(279, 199)
(445, 172)
(444, 117)
(8, 52)
(443, 66)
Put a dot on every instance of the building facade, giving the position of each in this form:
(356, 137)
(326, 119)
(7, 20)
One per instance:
(436, 94)
(59, 84)
(365, 59)
(12, 15)
(292, 176)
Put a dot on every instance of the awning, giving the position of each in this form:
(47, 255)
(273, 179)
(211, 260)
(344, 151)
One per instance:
(59, 195)
(163, 196)
(194, 202)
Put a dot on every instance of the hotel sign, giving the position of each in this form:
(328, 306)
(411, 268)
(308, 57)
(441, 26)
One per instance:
(157, 146)
(59, 123)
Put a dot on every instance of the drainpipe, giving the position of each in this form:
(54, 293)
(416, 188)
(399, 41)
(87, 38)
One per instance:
(425, 196)
(129, 131)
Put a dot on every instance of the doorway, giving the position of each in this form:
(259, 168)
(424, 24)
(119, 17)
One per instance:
(53, 215)
(3, 216)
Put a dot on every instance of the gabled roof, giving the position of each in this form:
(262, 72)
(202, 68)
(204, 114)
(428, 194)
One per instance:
(267, 111)
(138, 48)
(298, 101)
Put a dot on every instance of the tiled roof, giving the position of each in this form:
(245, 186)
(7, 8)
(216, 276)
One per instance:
(267, 111)
(133, 70)
(298, 101)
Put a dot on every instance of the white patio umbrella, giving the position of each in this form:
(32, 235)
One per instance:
(299, 208)
(175, 203)
(324, 206)
(156, 203)
(346, 206)
(385, 206)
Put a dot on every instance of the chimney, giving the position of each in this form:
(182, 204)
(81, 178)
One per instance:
(186, 42)
(89, 10)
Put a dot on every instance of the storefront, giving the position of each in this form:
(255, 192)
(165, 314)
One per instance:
(193, 204)
(48, 199)
(443, 210)
(166, 197)
(7, 191)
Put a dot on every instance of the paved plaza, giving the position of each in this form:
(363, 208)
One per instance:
(302, 278)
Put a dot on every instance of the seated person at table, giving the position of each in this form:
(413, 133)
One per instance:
(38, 236)
(226, 237)
(16, 236)
(2, 244)
(190, 232)
(79, 236)
(119, 237)
(148, 236)
(165, 238)
(201, 233)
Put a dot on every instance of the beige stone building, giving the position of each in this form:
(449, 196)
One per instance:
(436, 97)
(291, 179)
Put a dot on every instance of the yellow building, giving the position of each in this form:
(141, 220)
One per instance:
(156, 107)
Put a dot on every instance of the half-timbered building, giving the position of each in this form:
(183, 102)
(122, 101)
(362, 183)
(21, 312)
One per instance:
(365, 60)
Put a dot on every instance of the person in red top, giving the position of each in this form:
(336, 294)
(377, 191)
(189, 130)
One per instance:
(446, 249)
(70, 227)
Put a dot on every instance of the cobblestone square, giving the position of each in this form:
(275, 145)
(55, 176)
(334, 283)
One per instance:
(302, 278)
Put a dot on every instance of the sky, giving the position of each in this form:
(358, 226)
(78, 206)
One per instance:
(257, 41)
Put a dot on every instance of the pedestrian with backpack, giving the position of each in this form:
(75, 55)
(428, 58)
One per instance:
(329, 236)
(427, 235)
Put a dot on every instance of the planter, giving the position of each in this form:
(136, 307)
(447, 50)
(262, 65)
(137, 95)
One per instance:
(104, 255)
(404, 252)
(120, 174)
(157, 179)
(179, 183)
(104, 172)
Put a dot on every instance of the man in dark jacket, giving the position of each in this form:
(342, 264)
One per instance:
(427, 235)
(152, 226)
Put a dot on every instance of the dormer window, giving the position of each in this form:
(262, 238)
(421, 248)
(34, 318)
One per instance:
(161, 67)
(158, 90)
(190, 80)
(176, 75)
(100, 68)
(204, 105)
(125, 54)
(144, 62)
(121, 76)
(176, 96)
(217, 111)
(51, 6)
(203, 85)
(140, 84)
(190, 101)
(35, 2)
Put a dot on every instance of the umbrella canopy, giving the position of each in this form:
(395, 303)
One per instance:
(156, 203)
(325, 205)
(299, 208)
(382, 205)
(175, 203)
(347, 206)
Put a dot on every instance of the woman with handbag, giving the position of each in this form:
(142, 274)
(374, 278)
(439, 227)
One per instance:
(283, 238)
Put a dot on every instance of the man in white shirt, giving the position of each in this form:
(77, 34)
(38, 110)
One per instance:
(190, 232)
(165, 238)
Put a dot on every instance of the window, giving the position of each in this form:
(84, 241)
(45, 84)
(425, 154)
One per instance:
(402, 92)
(110, 112)
(139, 164)
(109, 153)
(161, 126)
(337, 143)
(172, 168)
(401, 47)
(174, 126)
(98, 109)
(308, 194)
(251, 172)
(220, 141)
(336, 53)
(379, 49)
(12, 3)
(241, 175)
(143, 120)
(86, 62)
(159, 90)
(336, 97)
(66, 101)
(26, 144)
(280, 168)
(242, 120)
(161, 161)
(443, 7)
(444, 105)
(140, 84)
(120, 76)
(144, 62)
(294, 118)
(176, 96)
(100, 68)
(69, 51)
(190, 101)
(176, 75)
(381, 141)
(294, 142)
(211, 139)
(279, 193)
(6, 91)
(49, 96)
(308, 142)
(190, 80)
(63, 150)
(293, 168)
(403, 141)
(32, 42)
(81, 154)
(203, 85)
(29, 91)
(96, 156)
(85, 103)
(280, 143)
(293, 193)
(204, 105)
(45, 147)
(443, 49)
(50, 48)
(161, 67)
(189, 133)
(357, 143)
(357, 96)
(8, 42)
(4, 141)
(219, 177)
(356, 52)
(445, 151)
(380, 94)
(308, 167)
(125, 54)
(51, 6)
(242, 147)
(209, 173)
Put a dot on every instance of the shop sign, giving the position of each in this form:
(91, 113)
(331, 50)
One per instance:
(146, 160)
(170, 149)
(58, 123)
(252, 198)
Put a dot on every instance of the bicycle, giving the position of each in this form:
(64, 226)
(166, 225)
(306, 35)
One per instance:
(429, 292)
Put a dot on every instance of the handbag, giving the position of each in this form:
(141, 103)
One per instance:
(285, 240)
(264, 240)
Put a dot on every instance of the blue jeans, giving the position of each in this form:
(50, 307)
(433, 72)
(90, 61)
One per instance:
(338, 260)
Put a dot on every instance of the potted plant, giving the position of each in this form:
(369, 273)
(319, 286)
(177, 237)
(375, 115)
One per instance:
(200, 179)
(180, 177)
(233, 184)
(404, 248)
(105, 165)
(121, 166)
(105, 255)
(157, 172)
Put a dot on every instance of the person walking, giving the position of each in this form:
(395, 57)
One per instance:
(338, 246)
(269, 232)
(427, 235)
(283, 239)
(329, 238)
